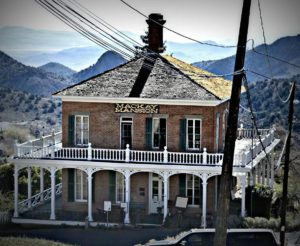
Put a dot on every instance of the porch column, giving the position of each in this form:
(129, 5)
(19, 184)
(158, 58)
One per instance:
(52, 215)
(166, 186)
(90, 216)
(127, 197)
(204, 198)
(16, 191)
(42, 184)
(254, 176)
(243, 203)
(29, 186)
(258, 173)
(268, 174)
(263, 171)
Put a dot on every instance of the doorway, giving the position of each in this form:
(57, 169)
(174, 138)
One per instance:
(156, 192)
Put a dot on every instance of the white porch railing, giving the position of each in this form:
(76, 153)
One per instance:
(50, 148)
(252, 152)
(38, 199)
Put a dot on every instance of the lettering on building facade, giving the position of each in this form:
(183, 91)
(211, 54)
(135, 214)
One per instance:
(136, 108)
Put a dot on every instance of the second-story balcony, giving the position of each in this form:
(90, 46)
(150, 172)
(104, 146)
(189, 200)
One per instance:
(248, 147)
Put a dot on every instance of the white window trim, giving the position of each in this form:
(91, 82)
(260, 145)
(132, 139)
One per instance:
(75, 130)
(153, 131)
(193, 189)
(126, 121)
(187, 136)
(81, 186)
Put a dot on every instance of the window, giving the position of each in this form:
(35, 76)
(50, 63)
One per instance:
(81, 130)
(120, 187)
(194, 134)
(80, 186)
(159, 133)
(193, 190)
(126, 132)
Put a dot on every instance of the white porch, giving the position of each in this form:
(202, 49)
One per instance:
(48, 154)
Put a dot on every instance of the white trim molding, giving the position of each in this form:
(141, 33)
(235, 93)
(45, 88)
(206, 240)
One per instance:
(208, 103)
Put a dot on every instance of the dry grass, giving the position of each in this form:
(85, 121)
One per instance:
(23, 241)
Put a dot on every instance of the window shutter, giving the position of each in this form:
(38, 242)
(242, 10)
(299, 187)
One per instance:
(148, 133)
(112, 186)
(183, 135)
(71, 128)
(71, 174)
(182, 184)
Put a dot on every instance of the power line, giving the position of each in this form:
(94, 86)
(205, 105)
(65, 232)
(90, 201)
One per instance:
(106, 24)
(79, 28)
(267, 53)
(177, 33)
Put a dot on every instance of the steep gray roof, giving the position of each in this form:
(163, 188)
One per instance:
(164, 82)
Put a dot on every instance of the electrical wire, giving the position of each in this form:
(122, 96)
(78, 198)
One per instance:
(267, 53)
(79, 28)
(177, 33)
(105, 23)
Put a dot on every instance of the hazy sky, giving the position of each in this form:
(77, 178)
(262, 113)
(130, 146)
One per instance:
(216, 20)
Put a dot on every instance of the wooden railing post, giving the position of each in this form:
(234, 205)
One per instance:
(53, 145)
(127, 153)
(204, 156)
(89, 152)
(165, 155)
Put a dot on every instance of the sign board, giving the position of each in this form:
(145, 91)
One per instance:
(124, 206)
(136, 108)
(107, 206)
(181, 202)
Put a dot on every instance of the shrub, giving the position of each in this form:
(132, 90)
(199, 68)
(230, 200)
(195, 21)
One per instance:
(260, 222)
(258, 200)
(16, 133)
(6, 202)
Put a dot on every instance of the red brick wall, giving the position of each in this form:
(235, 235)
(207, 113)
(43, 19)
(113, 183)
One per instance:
(137, 181)
(105, 124)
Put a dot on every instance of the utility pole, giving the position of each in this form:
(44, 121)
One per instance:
(286, 167)
(230, 137)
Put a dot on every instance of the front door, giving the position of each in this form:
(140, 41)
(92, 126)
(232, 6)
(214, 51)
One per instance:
(126, 134)
(155, 193)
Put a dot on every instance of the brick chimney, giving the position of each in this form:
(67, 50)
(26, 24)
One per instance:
(155, 32)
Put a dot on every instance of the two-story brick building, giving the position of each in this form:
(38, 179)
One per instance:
(141, 135)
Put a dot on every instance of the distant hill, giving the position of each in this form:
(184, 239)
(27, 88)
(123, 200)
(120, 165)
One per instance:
(287, 48)
(74, 58)
(267, 104)
(57, 68)
(16, 76)
(40, 113)
(108, 60)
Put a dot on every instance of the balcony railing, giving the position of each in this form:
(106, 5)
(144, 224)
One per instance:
(50, 147)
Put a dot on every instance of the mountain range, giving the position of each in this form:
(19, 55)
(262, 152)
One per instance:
(38, 47)
(50, 77)
(17, 76)
(287, 48)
